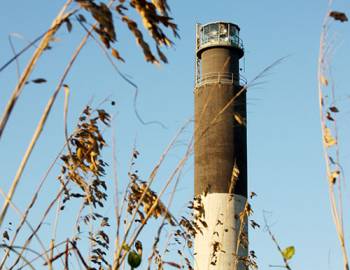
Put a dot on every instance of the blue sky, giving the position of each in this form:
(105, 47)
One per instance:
(286, 167)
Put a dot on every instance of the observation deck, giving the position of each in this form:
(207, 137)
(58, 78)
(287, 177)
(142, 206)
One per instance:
(220, 78)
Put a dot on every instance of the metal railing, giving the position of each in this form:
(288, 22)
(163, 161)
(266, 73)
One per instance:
(207, 41)
(220, 77)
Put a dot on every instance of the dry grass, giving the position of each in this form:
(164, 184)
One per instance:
(82, 161)
(83, 168)
(328, 120)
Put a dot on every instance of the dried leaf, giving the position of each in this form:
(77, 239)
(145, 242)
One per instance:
(252, 194)
(162, 6)
(173, 264)
(162, 55)
(338, 16)
(103, 16)
(331, 160)
(104, 222)
(334, 109)
(329, 140)
(120, 9)
(116, 54)
(189, 244)
(81, 18)
(329, 117)
(324, 81)
(69, 25)
(334, 176)
(254, 224)
(135, 154)
(132, 25)
(39, 80)
(240, 120)
(6, 235)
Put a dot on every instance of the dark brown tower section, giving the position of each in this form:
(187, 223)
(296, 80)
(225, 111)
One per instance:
(220, 137)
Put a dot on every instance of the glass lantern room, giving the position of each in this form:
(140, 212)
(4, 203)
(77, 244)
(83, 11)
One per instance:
(218, 34)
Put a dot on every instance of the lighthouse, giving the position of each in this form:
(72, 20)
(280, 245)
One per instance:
(220, 178)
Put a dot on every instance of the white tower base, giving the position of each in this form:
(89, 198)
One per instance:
(216, 248)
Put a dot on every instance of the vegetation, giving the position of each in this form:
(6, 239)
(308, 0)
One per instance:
(83, 186)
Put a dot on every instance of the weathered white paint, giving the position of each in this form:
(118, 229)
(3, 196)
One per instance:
(220, 210)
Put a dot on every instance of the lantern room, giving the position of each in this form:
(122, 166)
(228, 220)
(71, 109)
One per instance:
(218, 34)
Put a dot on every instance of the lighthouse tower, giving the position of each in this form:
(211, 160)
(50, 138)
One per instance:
(220, 147)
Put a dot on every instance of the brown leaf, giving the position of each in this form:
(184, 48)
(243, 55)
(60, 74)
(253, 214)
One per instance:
(116, 54)
(189, 244)
(102, 14)
(81, 18)
(132, 25)
(120, 9)
(254, 224)
(324, 81)
(39, 80)
(162, 55)
(329, 117)
(162, 6)
(6, 235)
(329, 140)
(333, 177)
(334, 109)
(84, 3)
(69, 25)
(252, 194)
(338, 16)
(173, 264)
(239, 119)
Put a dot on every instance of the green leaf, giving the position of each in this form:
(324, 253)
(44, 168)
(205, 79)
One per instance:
(125, 247)
(134, 259)
(288, 253)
